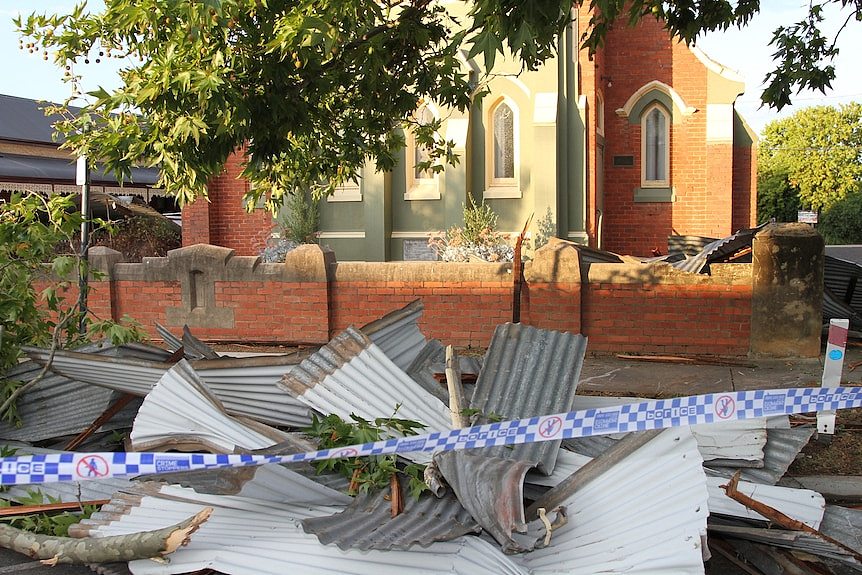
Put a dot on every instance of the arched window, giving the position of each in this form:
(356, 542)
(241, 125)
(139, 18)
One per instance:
(422, 182)
(655, 147)
(503, 151)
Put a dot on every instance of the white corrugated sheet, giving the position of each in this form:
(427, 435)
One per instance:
(800, 504)
(646, 514)
(352, 375)
(246, 386)
(181, 413)
(250, 537)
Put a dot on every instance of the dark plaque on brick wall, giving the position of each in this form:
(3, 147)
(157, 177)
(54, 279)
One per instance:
(624, 160)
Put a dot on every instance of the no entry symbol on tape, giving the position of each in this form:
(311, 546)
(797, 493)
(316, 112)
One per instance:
(92, 466)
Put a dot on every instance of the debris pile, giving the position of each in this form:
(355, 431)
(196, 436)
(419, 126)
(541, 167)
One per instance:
(658, 501)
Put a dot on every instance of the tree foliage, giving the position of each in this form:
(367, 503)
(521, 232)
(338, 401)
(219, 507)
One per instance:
(31, 229)
(818, 150)
(776, 198)
(312, 88)
(842, 223)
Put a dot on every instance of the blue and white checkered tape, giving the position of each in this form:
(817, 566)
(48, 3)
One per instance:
(655, 414)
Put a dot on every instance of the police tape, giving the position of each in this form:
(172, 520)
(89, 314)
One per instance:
(655, 414)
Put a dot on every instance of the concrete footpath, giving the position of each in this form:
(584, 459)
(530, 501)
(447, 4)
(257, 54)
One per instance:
(611, 375)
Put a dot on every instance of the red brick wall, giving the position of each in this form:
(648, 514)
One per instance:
(668, 319)
(274, 311)
(458, 313)
(744, 187)
(621, 308)
(147, 302)
(224, 221)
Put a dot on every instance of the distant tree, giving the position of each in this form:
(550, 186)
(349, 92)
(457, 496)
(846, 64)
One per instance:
(819, 150)
(776, 198)
(842, 223)
(314, 88)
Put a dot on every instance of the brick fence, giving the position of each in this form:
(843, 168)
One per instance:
(626, 307)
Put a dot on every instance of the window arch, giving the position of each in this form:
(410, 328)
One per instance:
(502, 152)
(655, 147)
(422, 183)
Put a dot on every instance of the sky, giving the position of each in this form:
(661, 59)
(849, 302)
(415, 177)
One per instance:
(746, 51)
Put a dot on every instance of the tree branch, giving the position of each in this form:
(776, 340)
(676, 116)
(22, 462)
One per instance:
(144, 545)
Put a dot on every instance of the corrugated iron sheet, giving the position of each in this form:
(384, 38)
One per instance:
(644, 513)
(567, 463)
(432, 360)
(843, 524)
(397, 334)
(277, 483)
(69, 491)
(718, 251)
(367, 523)
(193, 348)
(842, 278)
(422, 372)
(245, 536)
(492, 490)
(782, 447)
(799, 541)
(181, 413)
(246, 386)
(72, 405)
(528, 372)
(800, 504)
(352, 375)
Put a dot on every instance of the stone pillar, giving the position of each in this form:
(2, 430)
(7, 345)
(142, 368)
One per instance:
(787, 291)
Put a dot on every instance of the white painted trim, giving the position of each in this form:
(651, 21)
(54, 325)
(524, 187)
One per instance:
(716, 67)
(423, 191)
(678, 102)
(347, 193)
(545, 109)
(502, 192)
(341, 235)
(719, 123)
(411, 235)
(578, 236)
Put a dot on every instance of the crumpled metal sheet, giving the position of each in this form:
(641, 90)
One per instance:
(272, 482)
(352, 375)
(718, 251)
(421, 370)
(432, 360)
(69, 491)
(193, 348)
(72, 405)
(367, 522)
(844, 525)
(643, 511)
(180, 412)
(782, 447)
(799, 541)
(246, 386)
(529, 372)
(397, 334)
(492, 490)
(246, 536)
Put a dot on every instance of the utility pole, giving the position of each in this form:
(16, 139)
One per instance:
(83, 179)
